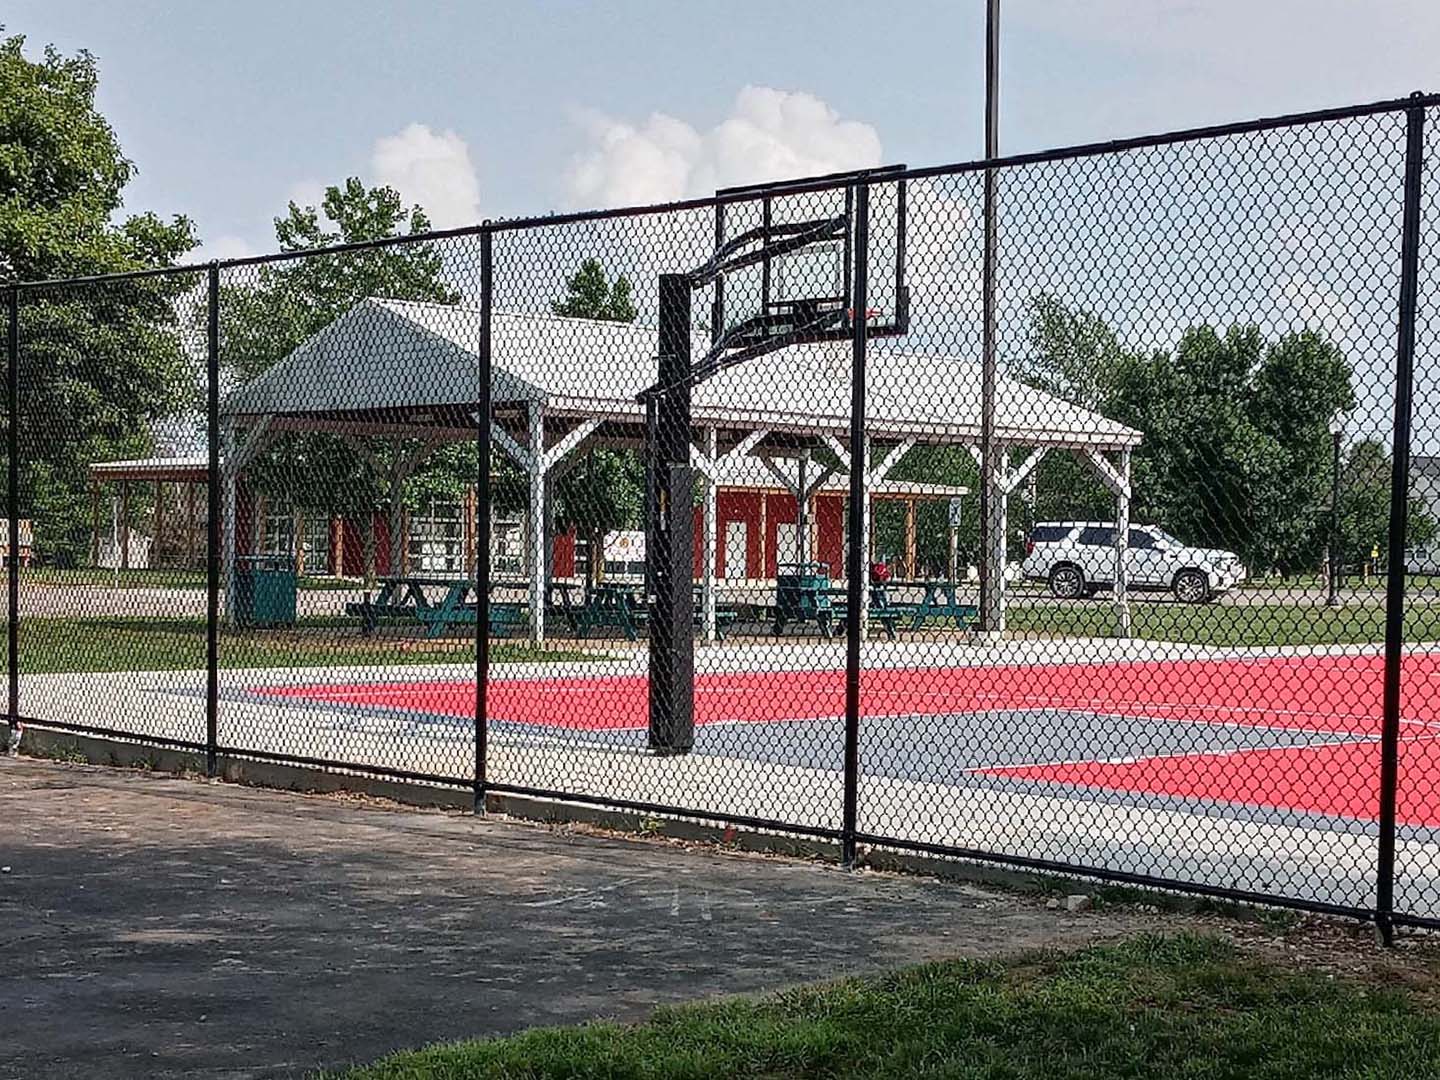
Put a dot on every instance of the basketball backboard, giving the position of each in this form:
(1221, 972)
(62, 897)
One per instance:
(800, 282)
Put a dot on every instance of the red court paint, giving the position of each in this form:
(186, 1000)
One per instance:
(1335, 697)
(1317, 693)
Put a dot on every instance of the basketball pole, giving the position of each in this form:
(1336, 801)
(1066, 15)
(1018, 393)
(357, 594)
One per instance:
(992, 611)
(669, 539)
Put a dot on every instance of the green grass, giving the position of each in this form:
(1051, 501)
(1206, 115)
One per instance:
(139, 644)
(1226, 625)
(154, 579)
(1186, 1007)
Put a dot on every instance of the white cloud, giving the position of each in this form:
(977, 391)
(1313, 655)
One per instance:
(307, 192)
(222, 247)
(432, 168)
(768, 135)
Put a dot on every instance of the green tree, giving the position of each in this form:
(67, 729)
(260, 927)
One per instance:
(1235, 427)
(269, 310)
(104, 368)
(589, 294)
(605, 492)
(1364, 518)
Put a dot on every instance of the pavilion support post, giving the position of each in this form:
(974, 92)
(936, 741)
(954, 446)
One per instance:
(535, 537)
(802, 510)
(159, 523)
(993, 530)
(1122, 553)
(708, 529)
(124, 524)
(190, 524)
(910, 539)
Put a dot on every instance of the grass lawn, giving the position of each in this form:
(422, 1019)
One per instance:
(142, 644)
(1226, 625)
(1184, 1007)
(154, 579)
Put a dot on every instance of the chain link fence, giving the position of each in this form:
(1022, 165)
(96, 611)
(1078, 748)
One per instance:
(1107, 541)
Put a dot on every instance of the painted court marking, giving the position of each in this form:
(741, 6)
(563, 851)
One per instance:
(1303, 730)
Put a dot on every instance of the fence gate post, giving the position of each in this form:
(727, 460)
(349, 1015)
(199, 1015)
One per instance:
(12, 507)
(482, 526)
(856, 565)
(213, 533)
(1399, 520)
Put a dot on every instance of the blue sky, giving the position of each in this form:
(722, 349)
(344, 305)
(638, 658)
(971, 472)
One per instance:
(485, 109)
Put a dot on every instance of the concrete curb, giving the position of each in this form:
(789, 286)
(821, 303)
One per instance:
(54, 744)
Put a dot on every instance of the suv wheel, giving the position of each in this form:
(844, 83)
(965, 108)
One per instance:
(1192, 587)
(1067, 582)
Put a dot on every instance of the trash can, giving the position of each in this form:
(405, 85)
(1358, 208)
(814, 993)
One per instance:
(264, 590)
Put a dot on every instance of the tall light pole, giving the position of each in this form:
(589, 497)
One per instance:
(1337, 433)
(992, 612)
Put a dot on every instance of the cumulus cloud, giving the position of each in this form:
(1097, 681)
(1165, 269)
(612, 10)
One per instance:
(769, 134)
(222, 247)
(432, 168)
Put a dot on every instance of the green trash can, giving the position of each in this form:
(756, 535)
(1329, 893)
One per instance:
(265, 588)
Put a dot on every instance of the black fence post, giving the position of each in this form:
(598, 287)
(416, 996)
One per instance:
(12, 506)
(856, 567)
(1399, 519)
(214, 535)
(482, 527)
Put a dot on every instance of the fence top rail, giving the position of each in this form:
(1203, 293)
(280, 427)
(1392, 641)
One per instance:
(791, 188)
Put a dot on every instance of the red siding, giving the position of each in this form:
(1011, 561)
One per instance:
(564, 558)
(354, 531)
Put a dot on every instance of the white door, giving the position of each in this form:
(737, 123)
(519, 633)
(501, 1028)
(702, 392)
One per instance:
(737, 543)
(787, 542)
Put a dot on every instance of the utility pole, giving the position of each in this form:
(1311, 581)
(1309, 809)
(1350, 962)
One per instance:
(992, 547)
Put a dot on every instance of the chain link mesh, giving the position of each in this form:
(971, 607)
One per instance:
(1172, 672)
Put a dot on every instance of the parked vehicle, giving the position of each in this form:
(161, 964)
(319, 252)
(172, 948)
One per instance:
(1077, 558)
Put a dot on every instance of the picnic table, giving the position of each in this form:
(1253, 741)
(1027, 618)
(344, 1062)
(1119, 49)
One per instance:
(402, 598)
(939, 600)
(621, 606)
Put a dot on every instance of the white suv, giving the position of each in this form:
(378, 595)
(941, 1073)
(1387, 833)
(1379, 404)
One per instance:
(1077, 558)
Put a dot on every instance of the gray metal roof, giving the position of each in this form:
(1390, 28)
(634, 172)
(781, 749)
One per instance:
(392, 354)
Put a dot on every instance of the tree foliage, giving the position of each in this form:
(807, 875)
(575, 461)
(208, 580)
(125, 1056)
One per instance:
(268, 311)
(1237, 450)
(105, 369)
(604, 493)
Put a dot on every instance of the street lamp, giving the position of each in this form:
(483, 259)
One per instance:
(1337, 434)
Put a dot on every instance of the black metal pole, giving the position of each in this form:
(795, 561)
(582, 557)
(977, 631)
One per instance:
(482, 528)
(214, 534)
(990, 616)
(1399, 515)
(856, 565)
(670, 538)
(12, 506)
(1332, 597)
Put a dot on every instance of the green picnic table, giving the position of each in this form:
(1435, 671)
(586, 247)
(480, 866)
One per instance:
(403, 598)
(939, 600)
(621, 606)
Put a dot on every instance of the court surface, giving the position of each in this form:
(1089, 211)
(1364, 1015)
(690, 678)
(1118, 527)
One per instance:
(1262, 738)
